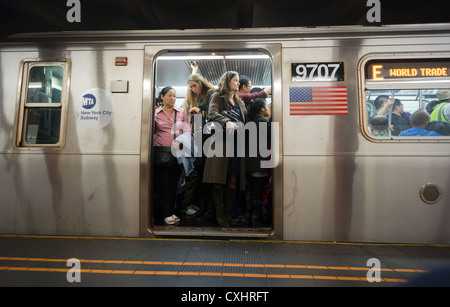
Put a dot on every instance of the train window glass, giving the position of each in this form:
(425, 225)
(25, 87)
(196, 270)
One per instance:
(44, 84)
(42, 125)
(403, 98)
(42, 104)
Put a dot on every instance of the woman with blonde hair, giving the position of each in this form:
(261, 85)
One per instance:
(198, 95)
(196, 197)
(225, 172)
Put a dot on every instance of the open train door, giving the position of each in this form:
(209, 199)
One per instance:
(170, 65)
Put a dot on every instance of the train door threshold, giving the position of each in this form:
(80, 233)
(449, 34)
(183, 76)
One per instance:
(260, 232)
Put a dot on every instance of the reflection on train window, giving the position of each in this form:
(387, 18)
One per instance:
(407, 98)
(42, 104)
(42, 125)
(45, 84)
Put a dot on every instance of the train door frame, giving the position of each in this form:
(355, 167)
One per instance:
(151, 52)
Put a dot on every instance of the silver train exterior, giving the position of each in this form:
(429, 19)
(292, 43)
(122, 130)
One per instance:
(333, 181)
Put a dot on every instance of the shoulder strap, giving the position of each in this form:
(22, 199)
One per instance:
(175, 124)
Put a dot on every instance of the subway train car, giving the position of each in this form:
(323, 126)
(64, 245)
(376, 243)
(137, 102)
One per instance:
(77, 120)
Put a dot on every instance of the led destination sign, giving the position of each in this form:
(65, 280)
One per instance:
(423, 69)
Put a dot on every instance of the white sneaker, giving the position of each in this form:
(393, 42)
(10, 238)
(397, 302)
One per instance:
(176, 218)
(170, 220)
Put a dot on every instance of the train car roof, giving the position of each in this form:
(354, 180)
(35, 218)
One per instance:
(222, 34)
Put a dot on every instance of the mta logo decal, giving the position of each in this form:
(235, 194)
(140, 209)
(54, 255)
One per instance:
(89, 101)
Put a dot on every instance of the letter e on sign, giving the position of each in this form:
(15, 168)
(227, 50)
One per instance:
(376, 71)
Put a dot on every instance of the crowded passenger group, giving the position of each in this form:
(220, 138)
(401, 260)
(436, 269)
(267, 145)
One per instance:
(221, 190)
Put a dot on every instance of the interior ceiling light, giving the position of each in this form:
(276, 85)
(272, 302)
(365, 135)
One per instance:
(214, 57)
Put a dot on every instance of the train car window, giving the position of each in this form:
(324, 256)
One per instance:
(42, 104)
(194, 203)
(403, 98)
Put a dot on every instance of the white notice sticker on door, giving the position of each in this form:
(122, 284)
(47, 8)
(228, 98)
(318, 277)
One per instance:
(95, 108)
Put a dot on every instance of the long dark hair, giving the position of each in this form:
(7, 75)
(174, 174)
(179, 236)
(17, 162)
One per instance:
(224, 89)
(255, 107)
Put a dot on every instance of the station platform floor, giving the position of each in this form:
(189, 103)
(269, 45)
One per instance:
(52, 261)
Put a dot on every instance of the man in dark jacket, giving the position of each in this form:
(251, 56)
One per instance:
(398, 118)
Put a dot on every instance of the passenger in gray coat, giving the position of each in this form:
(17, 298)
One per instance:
(225, 173)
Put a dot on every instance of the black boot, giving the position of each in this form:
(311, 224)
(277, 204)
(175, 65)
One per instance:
(230, 195)
(257, 213)
(217, 197)
(208, 211)
(248, 209)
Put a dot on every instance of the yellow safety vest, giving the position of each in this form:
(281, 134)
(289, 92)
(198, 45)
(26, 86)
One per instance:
(438, 113)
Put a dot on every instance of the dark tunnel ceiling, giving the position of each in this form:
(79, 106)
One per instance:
(23, 16)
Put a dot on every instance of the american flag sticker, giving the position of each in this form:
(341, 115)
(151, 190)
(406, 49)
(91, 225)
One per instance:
(330, 100)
